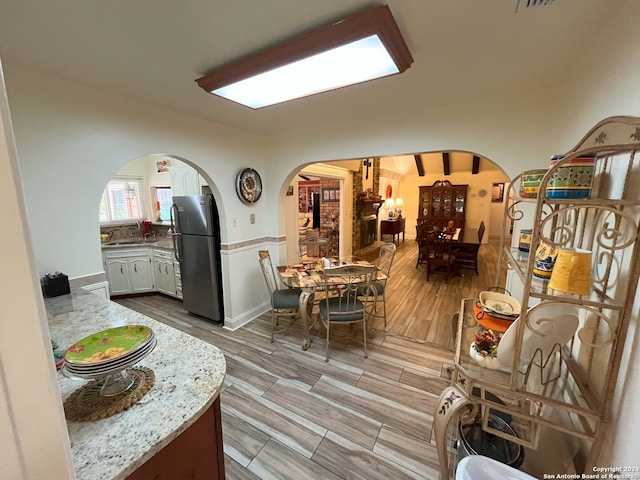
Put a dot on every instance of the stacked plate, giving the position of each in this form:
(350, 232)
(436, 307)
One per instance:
(109, 351)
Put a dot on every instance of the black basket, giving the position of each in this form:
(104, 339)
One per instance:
(54, 286)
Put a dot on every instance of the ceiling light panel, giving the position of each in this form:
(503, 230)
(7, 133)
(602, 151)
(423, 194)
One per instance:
(358, 49)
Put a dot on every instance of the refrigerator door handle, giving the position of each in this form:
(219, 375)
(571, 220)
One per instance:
(175, 233)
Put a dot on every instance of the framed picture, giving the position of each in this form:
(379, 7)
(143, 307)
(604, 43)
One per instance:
(497, 193)
(331, 194)
(290, 191)
(162, 166)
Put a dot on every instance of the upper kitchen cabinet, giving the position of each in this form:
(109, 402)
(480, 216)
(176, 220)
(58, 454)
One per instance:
(185, 180)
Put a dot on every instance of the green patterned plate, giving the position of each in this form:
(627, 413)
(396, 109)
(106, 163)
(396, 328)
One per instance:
(108, 345)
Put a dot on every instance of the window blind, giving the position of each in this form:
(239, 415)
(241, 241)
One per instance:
(122, 201)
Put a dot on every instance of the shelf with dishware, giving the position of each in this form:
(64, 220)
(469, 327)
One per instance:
(575, 251)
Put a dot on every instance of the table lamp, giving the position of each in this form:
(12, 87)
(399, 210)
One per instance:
(390, 204)
(399, 205)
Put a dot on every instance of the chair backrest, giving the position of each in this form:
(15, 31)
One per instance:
(481, 232)
(350, 281)
(318, 242)
(268, 272)
(314, 241)
(385, 258)
(439, 247)
(423, 229)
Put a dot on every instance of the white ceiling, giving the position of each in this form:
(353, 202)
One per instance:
(153, 50)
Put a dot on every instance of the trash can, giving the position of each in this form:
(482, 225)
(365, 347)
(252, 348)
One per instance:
(475, 441)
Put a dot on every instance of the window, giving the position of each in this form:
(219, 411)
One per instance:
(121, 201)
(163, 202)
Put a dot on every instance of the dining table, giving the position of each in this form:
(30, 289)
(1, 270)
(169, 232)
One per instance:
(308, 276)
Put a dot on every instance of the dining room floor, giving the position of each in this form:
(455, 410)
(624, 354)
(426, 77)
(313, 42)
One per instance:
(288, 414)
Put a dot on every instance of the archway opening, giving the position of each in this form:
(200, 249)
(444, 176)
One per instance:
(160, 233)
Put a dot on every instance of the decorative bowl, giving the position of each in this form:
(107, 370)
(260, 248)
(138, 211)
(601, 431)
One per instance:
(105, 237)
(530, 182)
(499, 303)
(574, 179)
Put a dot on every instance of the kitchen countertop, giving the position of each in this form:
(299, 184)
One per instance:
(188, 377)
(160, 243)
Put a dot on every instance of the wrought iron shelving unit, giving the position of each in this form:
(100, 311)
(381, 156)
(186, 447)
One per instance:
(570, 388)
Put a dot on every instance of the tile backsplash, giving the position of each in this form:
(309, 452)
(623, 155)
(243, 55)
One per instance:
(126, 232)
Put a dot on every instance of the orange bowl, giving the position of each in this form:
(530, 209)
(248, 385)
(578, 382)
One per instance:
(485, 319)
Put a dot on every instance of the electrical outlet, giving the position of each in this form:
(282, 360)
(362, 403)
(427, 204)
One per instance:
(234, 221)
(252, 218)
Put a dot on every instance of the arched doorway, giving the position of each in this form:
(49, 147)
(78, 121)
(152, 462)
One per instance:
(401, 173)
(160, 232)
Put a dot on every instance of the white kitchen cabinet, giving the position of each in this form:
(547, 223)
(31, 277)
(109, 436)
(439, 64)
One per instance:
(128, 271)
(184, 181)
(118, 274)
(164, 272)
(176, 269)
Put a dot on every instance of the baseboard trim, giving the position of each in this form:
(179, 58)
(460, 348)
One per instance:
(234, 324)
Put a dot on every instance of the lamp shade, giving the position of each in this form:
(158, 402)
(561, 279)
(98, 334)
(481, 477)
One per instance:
(399, 203)
(572, 272)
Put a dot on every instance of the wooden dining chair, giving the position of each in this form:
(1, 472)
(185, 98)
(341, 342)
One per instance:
(284, 302)
(467, 253)
(422, 230)
(349, 305)
(439, 257)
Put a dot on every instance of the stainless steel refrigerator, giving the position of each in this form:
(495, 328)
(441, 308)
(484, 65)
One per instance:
(196, 242)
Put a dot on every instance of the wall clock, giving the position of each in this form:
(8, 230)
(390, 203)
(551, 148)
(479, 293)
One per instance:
(249, 185)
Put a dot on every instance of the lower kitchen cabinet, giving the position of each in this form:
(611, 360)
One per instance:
(128, 271)
(164, 271)
(176, 269)
(140, 270)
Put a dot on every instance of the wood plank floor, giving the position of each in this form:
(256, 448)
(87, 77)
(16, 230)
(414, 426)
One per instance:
(288, 414)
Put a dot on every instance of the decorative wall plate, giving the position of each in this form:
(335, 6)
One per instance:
(249, 185)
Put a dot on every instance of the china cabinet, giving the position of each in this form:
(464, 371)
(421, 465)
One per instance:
(441, 202)
(548, 382)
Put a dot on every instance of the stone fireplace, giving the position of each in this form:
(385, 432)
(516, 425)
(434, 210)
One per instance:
(368, 230)
(367, 216)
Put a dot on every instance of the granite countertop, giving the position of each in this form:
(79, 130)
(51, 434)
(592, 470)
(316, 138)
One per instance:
(160, 243)
(188, 377)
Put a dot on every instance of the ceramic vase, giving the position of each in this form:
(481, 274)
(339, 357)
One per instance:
(486, 361)
(544, 261)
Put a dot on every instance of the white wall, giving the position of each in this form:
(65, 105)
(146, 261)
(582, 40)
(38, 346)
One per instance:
(72, 140)
(33, 434)
(610, 87)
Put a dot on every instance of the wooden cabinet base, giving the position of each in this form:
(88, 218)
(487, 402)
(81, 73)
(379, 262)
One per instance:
(195, 454)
